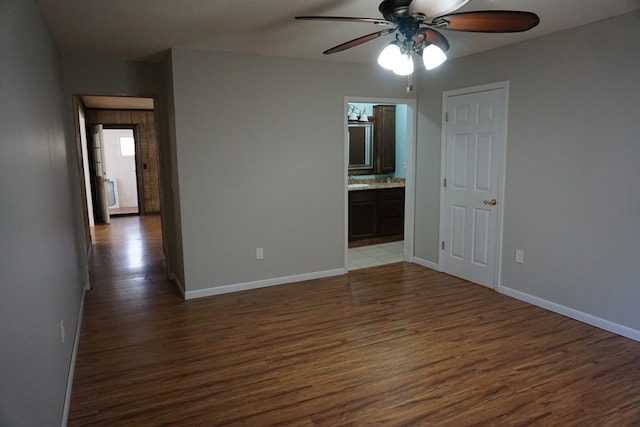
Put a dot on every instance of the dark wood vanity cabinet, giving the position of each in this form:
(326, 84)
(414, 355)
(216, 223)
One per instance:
(391, 212)
(384, 137)
(363, 214)
(376, 213)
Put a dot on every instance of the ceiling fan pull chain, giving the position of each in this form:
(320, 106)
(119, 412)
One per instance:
(410, 83)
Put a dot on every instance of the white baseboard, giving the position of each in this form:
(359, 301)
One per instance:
(263, 283)
(72, 365)
(589, 319)
(425, 263)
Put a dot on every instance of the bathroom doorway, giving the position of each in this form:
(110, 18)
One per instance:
(379, 205)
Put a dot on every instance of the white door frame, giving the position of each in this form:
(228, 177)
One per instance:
(410, 183)
(504, 85)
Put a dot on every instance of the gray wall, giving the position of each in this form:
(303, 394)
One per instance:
(260, 150)
(41, 263)
(572, 198)
(93, 76)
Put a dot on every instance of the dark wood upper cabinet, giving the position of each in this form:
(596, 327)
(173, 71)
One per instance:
(384, 137)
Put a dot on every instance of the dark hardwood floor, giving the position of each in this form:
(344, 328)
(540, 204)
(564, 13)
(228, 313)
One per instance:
(392, 345)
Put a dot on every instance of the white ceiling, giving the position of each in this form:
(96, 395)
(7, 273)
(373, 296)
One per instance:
(145, 29)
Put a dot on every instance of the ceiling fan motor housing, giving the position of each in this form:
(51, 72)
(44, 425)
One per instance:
(397, 11)
(394, 10)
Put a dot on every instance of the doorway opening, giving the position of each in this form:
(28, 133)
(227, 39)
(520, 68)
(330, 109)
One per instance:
(118, 156)
(120, 164)
(379, 191)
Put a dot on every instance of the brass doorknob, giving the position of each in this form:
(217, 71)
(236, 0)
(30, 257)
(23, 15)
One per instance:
(491, 202)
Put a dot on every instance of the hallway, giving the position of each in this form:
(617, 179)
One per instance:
(124, 313)
(129, 249)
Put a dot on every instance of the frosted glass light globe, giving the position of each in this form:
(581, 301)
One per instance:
(404, 66)
(433, 56)
(389, 56)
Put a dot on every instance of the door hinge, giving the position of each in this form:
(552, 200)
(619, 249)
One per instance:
(445, 182)
(443, 245)
(446, 116)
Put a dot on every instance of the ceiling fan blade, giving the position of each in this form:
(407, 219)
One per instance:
(433, 8)
(432, 37)
(488, 21)
(358, 41)
(376, 21)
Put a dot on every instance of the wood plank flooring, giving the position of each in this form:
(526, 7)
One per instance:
(396, 345)
(128, 210)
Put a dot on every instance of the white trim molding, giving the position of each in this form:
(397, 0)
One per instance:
(237, 287)
(589, 319)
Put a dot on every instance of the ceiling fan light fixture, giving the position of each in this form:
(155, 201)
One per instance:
(416, 24)
(389, 56)
(433, 56)
(404, 65)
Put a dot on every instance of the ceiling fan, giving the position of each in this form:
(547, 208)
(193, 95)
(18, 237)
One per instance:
(416, 24)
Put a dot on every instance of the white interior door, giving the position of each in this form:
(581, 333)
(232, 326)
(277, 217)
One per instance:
(474, 150)
(101, 172)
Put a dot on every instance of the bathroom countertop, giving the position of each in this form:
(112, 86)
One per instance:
(358, 186)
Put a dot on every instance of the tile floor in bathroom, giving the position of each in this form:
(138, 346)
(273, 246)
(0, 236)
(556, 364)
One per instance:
(370, 256)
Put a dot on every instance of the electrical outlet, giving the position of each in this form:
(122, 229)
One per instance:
(62, 333)
(259, 253)
(519, 256)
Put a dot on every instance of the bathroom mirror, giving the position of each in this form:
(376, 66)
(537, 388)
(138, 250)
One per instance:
(360, 147)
